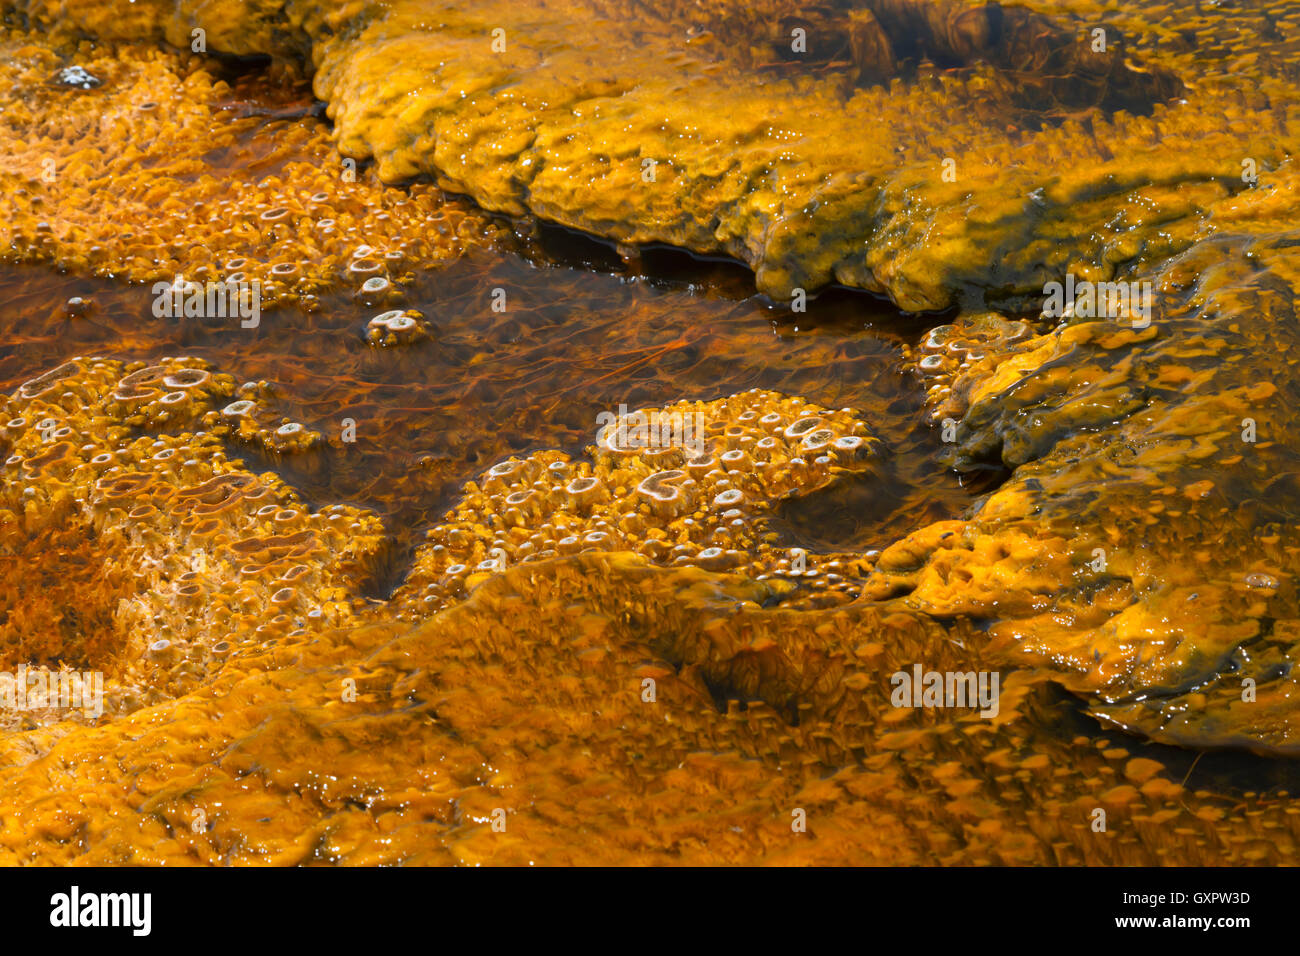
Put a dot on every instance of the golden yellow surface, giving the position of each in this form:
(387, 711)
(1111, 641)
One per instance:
(215, 182)
(134, 546)
(606, 684)
(1167, 448)
(803, 166)
(689, 501)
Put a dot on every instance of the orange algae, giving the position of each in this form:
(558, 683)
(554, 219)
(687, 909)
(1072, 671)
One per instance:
(154, 557)
(528, 702)
(525, 698)
(541, 719)
(163, 168)
(680, 485)
(1144, 545)
(931, 187)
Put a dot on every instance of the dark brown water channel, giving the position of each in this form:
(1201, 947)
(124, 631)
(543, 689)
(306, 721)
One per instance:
(571, 342)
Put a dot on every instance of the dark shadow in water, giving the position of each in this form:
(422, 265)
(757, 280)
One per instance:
(1228, 773)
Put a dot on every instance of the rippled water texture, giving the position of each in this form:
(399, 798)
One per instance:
(363, 579)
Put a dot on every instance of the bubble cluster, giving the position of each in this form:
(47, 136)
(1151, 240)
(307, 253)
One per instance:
(121, 182)
(396, 327)
(685, 485)
(251, 421)
(948, 351)
(165, 556)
